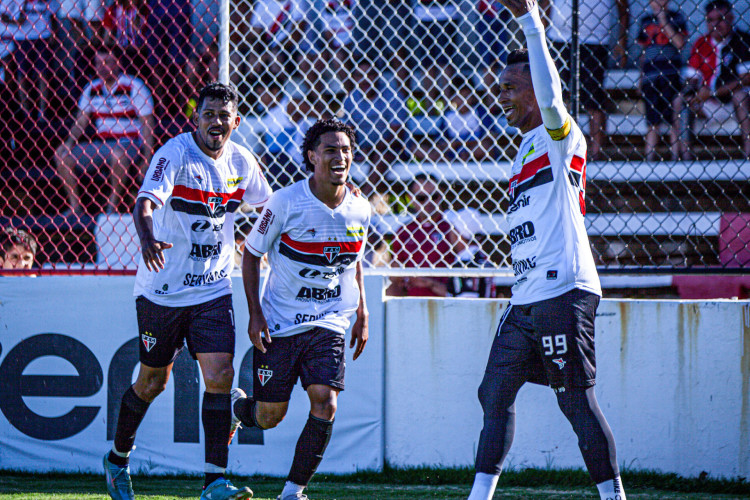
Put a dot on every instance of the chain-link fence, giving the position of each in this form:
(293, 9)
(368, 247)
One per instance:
(661, 92)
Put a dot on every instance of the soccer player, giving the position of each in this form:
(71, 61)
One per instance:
(184, 215)
(314, 233)
(546, 335)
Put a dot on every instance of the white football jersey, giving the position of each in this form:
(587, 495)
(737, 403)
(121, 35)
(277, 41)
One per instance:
(549, 246)
(197, 197)
(312, 250)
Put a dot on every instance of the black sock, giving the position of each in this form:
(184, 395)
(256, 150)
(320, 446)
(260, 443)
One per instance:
(244, 409)
(217, 418)
(211, 477)
(311, 445)
(132, 411)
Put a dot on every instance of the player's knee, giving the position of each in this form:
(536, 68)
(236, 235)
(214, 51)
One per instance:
(492, 399)
(572, 402)
(268, 418)
(150, 388)
(220, 378)
(324, 410)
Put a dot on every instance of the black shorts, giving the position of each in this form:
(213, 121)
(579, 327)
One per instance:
(658, 94)
(591, 75)
(549, 342)
(207, 327)
(315, 356)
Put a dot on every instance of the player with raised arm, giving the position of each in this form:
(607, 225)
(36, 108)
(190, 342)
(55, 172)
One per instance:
(546, 335)
(314, 233)
(184, 215)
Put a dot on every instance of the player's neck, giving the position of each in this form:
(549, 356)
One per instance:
(330, 194)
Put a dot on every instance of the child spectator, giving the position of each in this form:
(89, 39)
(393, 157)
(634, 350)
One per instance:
(662, 35)
(17, 249)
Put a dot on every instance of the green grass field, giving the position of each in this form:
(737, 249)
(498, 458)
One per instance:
(391, 484)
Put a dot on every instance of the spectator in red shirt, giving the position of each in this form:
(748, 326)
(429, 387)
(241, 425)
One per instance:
(428, 241)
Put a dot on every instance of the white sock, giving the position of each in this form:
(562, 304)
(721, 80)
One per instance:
(483, 487)
(611, 490)
(291, 489)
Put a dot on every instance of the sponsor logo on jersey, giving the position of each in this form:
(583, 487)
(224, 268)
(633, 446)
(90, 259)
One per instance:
(522, 280)
(311, 231)
(521, 202)
(234, 181)
(265, 221)
(306, 318)
(201, 253)
(204, 279)
(522, 233)
(198, 178)
(552, 274)
(559, 389)
(312, 294)
(159, 169)
(355, 231)
(559, 362)
(523, 265)
(264, 374)
(331, 252)
(204, 225)
(148, 341)
(314, 273)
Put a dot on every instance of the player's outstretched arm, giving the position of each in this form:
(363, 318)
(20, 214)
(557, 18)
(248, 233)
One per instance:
(258, 328)
(544, 75)
(152, 250)
(361, 328)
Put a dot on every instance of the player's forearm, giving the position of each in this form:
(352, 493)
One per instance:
(544, 75)
(251, 280)
(143, 219)
(362, 306)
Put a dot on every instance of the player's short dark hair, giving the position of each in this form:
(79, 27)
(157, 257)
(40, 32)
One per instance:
(518, 56)
(312, 137)
(718, 5)
(10, 237)
(225, 92)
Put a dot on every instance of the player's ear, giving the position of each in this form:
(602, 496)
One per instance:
(312, 157)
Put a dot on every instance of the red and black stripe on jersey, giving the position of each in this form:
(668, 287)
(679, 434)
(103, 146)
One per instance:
(535, 173)
(205, 203)
(99, 90)
(577, 177)
(323, 253)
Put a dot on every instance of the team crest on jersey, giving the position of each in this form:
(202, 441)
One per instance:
(331, 252)
(559, 362)
(512, 188)
(148, 341)
(214, 202)
(264, 374)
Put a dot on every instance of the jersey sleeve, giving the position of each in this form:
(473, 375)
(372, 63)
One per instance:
(159, 181)
(258, 190)
(268, 226)
(544, 75)
(84, 102)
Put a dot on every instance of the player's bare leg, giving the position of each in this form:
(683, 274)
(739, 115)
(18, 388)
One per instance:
(741, 102)
(65, 165)
(119, 164)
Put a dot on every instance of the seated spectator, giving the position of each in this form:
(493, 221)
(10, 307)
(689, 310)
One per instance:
(466, 222)
(380, 116)
(123, 25)
(119, 107)
(426, 123)
(492, 28)
(265, 96)
(463, 123)
(663, 34)
(33, 28)
(717, 72)
(17, 249)
(268, 38)
(437, 38)
(428, 241)
(337, 47)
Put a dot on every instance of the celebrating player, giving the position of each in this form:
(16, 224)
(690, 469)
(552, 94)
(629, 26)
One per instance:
(184, 215)
(314, 233)
(546, 335)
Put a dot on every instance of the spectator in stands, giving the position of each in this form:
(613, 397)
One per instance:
(123, 25)
(436, 33)
(717, 72)
(119, 106)
(268, 38)
(265, 96)
(467, 225)
(427, 241)
(337, 47)
(18, 249)
(463, 122)
(426, 122)
(663, 34)
(33, 27)
(596, 29)
(492, 28)
(380, 115)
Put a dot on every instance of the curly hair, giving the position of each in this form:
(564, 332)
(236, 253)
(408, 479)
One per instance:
(312, 137)
(10, 237)
(225, 92)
